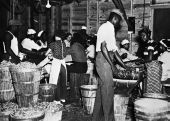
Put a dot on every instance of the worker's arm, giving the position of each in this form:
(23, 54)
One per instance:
(107, 56)
(8, 38)
(118, 58)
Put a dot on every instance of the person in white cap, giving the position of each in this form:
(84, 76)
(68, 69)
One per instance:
(107, 55)
(124, 51)
(30, 49)
(11, 42)
(29, 42)
(164, 58)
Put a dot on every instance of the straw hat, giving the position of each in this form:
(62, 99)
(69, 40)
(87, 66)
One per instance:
(117, 11)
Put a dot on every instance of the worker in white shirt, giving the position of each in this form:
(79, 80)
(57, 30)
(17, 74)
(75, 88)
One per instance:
(28, 42)
(31, 49)
(124, 51)
(164, 58)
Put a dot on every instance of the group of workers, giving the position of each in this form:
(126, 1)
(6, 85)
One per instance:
(150, 53)
(104, 54)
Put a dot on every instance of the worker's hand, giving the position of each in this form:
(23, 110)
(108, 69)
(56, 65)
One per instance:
(16, 60)
(50, 56)
(124, 55)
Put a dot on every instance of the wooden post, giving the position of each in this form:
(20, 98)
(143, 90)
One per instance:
(70, 18)
(29, 14)
(52, 28)
(48, 10)
(58, 17)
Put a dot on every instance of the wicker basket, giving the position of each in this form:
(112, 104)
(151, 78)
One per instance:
(7, 95)
(5, 73)
(149, 109)
(25, 74)
(39, 118)
(4, 117)
(155, 95)
(120, 107)
(26, 100)
(26, 87)
(26, 84)
(6, 87)
(47, 92)
(88, 93)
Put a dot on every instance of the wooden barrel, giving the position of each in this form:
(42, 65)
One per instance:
(149, 109)
(47, 92)
(88, 93)
(76, 80)
(6, 87)
(26, 84)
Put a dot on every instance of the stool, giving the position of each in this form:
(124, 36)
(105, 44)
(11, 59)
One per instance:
(76, 80)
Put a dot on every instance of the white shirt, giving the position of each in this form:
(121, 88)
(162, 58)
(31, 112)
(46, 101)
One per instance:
(91, 51)
(30, 44)
(129, 55)
(106, 33)
(165, 58)
(14, 44)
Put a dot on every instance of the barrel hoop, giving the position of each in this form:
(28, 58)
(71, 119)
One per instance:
(146, 117)
(7, 90)
(151, 114)
(27, 95)
(88, 97)
(45, 95)
(5, 80)
(31, 82)
(88, 89)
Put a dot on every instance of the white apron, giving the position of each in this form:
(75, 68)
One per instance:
(55, 70)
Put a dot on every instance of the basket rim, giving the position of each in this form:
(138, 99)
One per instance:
(32, 119)
(91, 87)
(24, 69)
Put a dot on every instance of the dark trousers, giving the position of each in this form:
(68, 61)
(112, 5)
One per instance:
(61, 85)
(104, 108)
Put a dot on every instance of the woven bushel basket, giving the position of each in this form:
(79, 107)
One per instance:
(26, 84)
(6, 87)
(47, 92)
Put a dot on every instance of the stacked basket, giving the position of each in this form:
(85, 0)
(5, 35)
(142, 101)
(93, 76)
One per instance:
(26, 83)
(6, 87)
